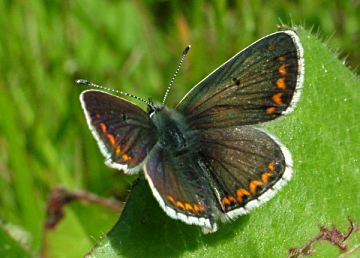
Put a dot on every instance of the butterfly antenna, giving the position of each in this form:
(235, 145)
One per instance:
(93, 85)
(186, 50)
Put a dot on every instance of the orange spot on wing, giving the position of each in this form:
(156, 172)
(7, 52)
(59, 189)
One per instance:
(170, 199)
(253, 185)
(231, 199)
(111, 139)
(118, 150)
(271, 166)
(201, 208)
(126, 157)
(282, 69)
(265, 177)
(280, 83)
(180, 205)
(240, 193)
(103, 127)
(277, 98)
(189, 207)
(226, 201)
(185, 205)
(197, 208)
(270, 110)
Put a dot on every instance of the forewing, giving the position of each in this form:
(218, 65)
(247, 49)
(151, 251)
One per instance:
(124, 132)
(248, 165)
(180, 188)
(256, 85)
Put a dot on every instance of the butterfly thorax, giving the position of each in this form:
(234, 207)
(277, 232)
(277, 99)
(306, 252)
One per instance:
(173, 132)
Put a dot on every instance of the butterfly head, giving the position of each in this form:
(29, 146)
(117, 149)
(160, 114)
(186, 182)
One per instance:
(152, 108)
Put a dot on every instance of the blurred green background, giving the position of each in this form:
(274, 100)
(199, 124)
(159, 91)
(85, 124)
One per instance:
(129, 45)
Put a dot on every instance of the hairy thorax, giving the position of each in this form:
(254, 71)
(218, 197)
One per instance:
(173, 131)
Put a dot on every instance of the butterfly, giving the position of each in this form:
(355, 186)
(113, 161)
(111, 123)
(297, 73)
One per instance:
(203, 159)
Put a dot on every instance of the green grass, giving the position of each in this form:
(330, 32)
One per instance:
(134, 46)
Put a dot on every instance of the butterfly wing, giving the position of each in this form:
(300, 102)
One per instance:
(256, 85)
(124, 132)
(248, 165)
(181, 188)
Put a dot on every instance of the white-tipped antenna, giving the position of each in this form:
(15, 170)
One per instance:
(186, 50)
(93, 85)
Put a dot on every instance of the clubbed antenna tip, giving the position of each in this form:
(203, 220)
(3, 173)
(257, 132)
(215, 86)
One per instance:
(84, 82)
(186, 50)
(184, 53)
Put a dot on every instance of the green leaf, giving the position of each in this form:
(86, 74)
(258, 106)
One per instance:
(323, 136)
(62, 238)
(9, 247)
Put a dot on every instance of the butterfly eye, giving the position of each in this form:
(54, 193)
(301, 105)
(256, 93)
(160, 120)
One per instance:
(150, 110)
(150, 107)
